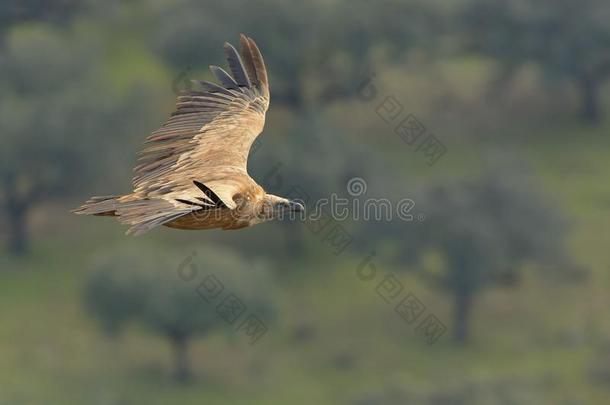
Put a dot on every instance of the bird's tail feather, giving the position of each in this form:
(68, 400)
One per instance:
(142, 215)
(99, 206)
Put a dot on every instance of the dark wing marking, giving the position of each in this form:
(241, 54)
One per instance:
(210, 195)
(195, 204)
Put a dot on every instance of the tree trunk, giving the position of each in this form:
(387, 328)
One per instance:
(590, 110)
(182, 368)
(17, 225)
(461, 316)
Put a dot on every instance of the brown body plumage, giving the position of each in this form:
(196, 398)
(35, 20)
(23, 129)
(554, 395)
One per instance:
(193, 171)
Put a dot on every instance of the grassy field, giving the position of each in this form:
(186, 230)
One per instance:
(546, 341)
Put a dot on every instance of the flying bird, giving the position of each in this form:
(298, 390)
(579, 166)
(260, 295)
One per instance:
(192, 173)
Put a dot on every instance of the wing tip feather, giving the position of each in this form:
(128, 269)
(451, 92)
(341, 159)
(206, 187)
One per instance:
(255, 63)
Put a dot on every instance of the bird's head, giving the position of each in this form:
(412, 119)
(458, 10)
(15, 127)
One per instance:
(274, 207)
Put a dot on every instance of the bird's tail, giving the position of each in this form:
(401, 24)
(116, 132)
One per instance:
(103, 206)
(142, 214)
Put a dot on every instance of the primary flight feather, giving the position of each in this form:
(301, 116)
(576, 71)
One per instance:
(192, 174)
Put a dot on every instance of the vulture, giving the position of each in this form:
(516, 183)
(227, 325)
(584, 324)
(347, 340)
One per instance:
(192, 172)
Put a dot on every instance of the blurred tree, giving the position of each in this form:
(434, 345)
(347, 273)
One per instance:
(484, 231)
(57, 116)
(568, 39)
(166, 295)
(58, 11)
(42, 84)
(316, 52)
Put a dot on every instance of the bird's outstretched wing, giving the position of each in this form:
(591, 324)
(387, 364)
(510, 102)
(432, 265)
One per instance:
(208, 138)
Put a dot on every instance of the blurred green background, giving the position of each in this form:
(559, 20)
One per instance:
(504, 253)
